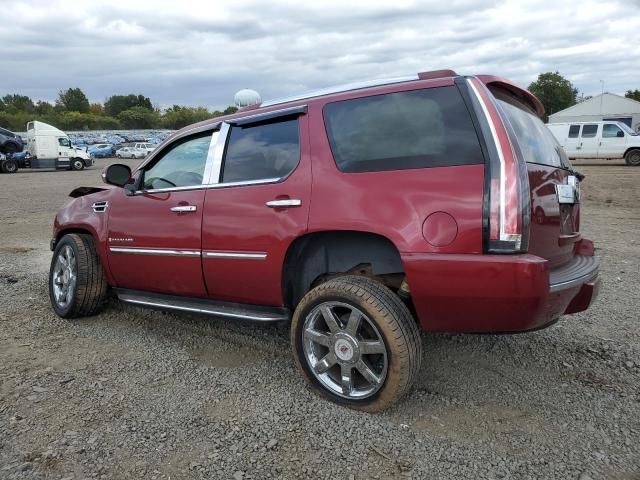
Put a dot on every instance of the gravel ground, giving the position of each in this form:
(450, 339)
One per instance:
(132, 393)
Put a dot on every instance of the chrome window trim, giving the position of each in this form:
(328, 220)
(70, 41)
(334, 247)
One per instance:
(156, 251)
(233, 255)
(265, 181)
(340, 89)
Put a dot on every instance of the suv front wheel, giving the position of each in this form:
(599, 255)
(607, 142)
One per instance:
(77, 284)
(356, 343)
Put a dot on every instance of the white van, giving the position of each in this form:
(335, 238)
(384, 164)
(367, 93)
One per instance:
(50, 147)
(602, 140)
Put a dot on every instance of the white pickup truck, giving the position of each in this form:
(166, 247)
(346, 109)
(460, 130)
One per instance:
(602, 140)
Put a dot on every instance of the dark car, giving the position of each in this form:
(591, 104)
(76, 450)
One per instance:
(359, 214)
(10, 142)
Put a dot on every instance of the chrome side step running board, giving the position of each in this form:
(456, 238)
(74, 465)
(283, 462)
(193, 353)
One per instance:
(237, 311)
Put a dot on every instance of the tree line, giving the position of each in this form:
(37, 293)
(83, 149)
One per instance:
(73, 111)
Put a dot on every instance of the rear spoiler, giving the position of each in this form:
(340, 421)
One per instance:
(521, 94)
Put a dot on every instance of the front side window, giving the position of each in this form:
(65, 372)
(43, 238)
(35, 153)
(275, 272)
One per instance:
(64, 142)
(180, 165)
(574, 131)
(261, 152)
(402, 130)
(589, 131)
(610, 130)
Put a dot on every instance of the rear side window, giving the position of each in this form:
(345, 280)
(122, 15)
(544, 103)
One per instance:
(574, 131)
(536, 142)
(403, 130)
(261, 152)
(589, 131)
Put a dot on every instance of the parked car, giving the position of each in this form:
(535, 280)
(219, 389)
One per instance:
(147, 147)
(10, 142)
(602, 140)
(130, 152)
(417, 216)
(101, 150)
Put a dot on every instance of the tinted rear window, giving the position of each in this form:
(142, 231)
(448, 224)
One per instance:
(589, 131)
(536, 142)
(574, 131)
(403, 130)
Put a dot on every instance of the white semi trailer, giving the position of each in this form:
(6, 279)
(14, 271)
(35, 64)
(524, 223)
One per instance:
(47, 147)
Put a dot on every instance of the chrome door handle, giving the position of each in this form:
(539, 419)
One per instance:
(184, 208)
(284, 203)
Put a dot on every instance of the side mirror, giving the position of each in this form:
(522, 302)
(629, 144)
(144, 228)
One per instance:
(620, 133)
(116, 174)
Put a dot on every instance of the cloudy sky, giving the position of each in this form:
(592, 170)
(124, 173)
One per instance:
(202, 52)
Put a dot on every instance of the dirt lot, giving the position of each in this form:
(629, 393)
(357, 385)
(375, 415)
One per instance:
(142, 394)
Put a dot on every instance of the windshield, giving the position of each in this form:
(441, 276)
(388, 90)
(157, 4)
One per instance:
(626, 128)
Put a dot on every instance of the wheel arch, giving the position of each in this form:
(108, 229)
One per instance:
(315, 254)
(631, 149)
(100, 250)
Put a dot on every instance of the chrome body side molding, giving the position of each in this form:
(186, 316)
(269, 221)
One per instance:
(155, 251)
(234, 255)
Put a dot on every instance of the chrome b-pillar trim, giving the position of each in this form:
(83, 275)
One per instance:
(216, 162)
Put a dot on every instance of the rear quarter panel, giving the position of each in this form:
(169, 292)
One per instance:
(395, 203)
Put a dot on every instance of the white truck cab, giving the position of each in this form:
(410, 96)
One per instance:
(50, 147)
(606, 140)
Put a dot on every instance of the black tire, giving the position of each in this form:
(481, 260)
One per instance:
(77, 164)
(90, 288)
(395, 326)
(9, 166)
(632, 158)
(11, 147)
(118, 155)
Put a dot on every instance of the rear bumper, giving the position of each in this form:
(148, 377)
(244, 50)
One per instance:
(497, 293)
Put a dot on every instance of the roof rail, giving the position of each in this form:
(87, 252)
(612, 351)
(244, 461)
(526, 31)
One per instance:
(359, 85)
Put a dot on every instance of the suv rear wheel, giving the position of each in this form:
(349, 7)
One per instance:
(77, 285)
(356, 343)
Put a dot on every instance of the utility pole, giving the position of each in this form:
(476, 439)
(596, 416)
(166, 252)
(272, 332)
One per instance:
(601, 96)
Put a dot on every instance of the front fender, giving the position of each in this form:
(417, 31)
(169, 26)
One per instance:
(79, 216)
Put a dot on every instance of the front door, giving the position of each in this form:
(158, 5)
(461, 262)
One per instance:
(258, 208)
(613, 142)
(154, 235)
(64, 152)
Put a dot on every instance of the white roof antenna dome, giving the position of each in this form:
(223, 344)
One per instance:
(246, 97)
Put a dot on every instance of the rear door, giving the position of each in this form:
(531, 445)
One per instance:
(555, 226)
(613, 142)
(571, 143)
(257, 207)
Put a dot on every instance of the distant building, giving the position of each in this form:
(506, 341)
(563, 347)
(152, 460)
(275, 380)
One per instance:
(612, 107)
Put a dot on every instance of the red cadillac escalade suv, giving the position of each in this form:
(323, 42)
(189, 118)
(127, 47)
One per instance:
(360, 214)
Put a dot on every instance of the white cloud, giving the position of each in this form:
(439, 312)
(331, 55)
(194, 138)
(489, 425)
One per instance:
(201, 52)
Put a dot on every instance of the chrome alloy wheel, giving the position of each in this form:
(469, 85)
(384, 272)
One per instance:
(65, 276)
(344, 350)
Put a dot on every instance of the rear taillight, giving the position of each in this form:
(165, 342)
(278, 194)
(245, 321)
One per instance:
(508, 184)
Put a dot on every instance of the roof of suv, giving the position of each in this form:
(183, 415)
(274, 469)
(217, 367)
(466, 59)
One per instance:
(272, 105)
